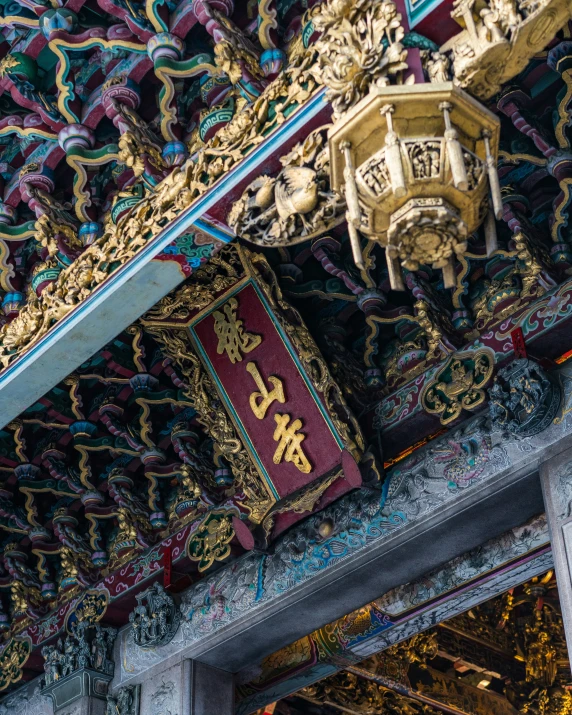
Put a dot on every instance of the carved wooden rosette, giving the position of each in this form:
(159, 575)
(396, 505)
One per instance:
(13, 657)
(262, 392)
(458, 385)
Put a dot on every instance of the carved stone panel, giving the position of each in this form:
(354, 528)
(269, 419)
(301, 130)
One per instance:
(161, 695)
(27, 701)
(523, 400)
(155, 619)
(556, 478)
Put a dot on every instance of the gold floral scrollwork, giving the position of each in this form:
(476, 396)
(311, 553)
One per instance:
(165, 322)
(202, 394)
(150, 215)
(13, 657)
(459, 384)
(360, 47)
(210, 541)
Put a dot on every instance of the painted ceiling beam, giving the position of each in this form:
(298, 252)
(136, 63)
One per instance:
(136, 286)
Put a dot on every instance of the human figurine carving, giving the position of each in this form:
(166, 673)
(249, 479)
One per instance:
(124, 702)
(89, 645)
(523, 399)
(155, 619)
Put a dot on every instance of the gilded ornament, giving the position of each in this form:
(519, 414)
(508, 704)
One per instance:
(350, 692)
(260, 401)
(225, 269)
(13, 657)
(149, 216)
(90, 608)
(458, 385)
(310, 356)
(499, 38)
(232, 337)
(210, 541)
(289, 438)
(360, 47)
(418, 184)
(295, 206)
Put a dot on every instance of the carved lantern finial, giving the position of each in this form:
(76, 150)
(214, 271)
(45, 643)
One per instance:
(416, 163)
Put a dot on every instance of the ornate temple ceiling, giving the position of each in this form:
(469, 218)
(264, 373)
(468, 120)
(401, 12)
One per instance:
(103, 104)
(506, 656)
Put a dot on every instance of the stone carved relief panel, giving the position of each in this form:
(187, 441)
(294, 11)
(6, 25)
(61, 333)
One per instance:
(125, 701)
(429, 480)
(27, 701)
(164, 699)
(563, 490)
(161, 695)
(476, 563)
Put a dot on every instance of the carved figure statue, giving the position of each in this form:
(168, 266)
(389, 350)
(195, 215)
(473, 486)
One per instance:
(69, 656)
(523, 399)
(438, 67)
(155, 619)
(541, 657)
(52, 659)
(89, 645)
(124, 702)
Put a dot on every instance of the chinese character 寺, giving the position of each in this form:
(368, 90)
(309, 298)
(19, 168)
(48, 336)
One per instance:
(232, 337)
(261, 401)
(290, 441)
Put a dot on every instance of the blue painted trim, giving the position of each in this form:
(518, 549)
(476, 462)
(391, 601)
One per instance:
(213, 230)
(424, 8)
(181, 224)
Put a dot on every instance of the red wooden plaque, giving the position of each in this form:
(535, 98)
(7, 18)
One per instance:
(277, 410)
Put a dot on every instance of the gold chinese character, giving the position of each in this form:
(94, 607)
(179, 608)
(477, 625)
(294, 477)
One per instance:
(231, 335)
(261, 401)
(290, 443)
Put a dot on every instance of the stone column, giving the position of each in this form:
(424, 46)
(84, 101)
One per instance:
(84, 692)
(207, 690)
(556, 478)
(84, 706)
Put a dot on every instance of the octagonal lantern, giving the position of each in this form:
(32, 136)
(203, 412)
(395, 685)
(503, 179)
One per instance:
(417, 164)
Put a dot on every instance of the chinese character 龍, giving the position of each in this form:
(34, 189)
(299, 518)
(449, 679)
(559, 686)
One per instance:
(232, 337)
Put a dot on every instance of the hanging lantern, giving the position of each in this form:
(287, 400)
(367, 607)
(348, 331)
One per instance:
(417, 165)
